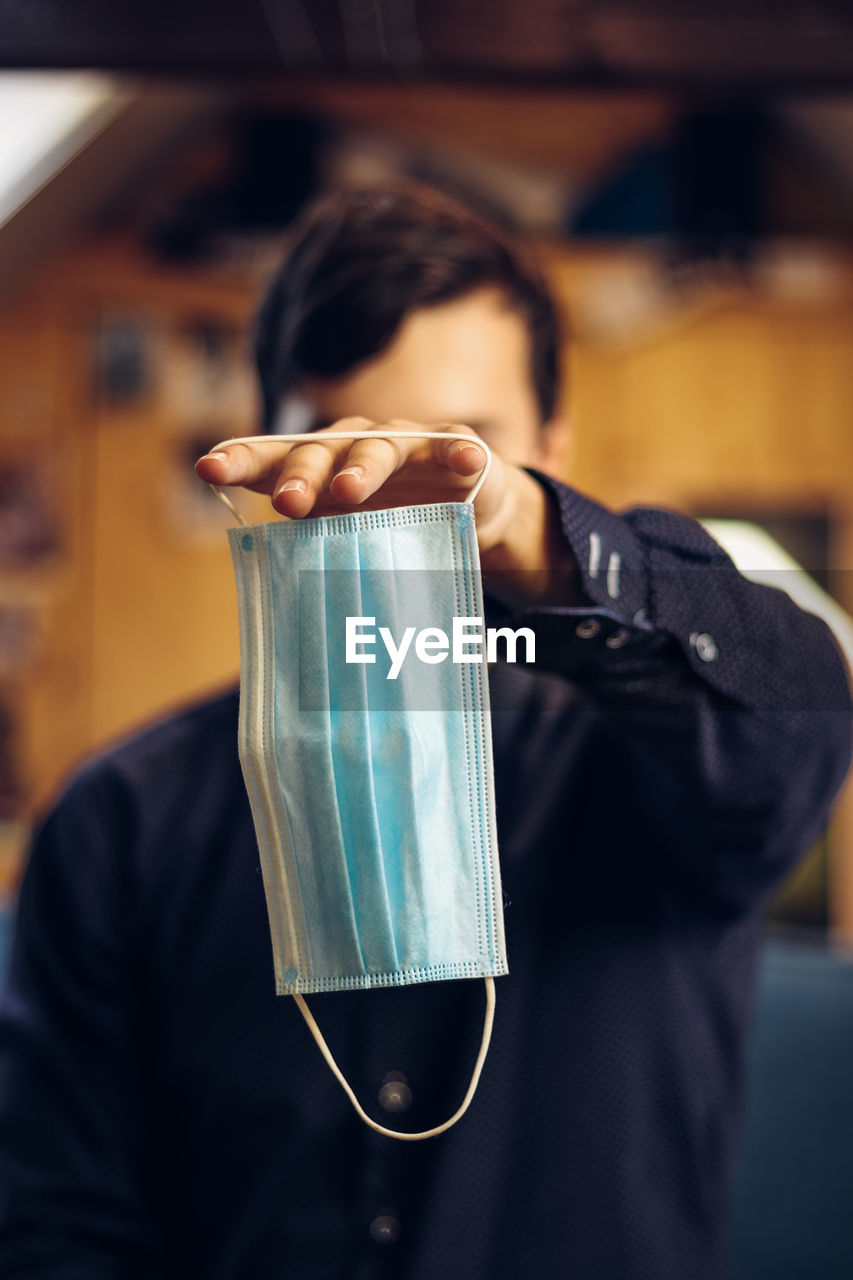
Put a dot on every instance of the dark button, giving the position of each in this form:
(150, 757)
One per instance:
(385, 1228)
(395, 1094)
(587, 629)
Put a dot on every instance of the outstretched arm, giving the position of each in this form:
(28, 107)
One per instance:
(727, 705)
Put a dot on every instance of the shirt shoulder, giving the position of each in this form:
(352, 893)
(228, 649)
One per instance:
(186, 737)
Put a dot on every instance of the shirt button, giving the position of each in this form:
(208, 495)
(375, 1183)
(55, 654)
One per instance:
(385, 1228)
(705, 646)
(618, 639)
(587, 629)
(395, 1094)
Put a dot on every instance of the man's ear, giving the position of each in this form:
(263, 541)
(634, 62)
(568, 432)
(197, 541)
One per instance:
(556, 446)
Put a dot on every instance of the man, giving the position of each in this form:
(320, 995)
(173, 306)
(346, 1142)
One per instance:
(672, 753)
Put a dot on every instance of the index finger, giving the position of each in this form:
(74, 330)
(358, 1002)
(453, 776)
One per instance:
(254, 461)
(235, 464)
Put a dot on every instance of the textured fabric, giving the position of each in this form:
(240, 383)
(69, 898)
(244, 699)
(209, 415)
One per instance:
(163, 1114)
(372, 796)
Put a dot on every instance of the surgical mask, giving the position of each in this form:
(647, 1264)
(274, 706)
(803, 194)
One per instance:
(371, 792)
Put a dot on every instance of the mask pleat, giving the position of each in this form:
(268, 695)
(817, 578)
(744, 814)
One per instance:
(306, 759)
(437, 783)
(257, 738)
(354, 762)
(474, 702)
(396, 759)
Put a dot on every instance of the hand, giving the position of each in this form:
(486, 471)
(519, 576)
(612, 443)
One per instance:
(328, 477)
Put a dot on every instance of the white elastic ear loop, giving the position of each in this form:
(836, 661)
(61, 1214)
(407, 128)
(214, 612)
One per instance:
(312, 437)
(395, 1133)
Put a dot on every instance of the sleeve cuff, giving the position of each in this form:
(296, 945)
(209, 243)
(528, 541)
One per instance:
(611, 561)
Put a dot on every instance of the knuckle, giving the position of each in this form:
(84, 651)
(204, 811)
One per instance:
(369, 447)
(354, 423)
(314, 452)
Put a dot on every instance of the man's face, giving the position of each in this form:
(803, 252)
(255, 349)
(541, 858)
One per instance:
(465, 362)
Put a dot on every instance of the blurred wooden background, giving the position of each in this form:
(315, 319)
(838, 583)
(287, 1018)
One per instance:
(690, 384)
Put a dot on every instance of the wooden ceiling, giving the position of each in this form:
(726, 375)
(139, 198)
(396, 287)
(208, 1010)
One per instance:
(766, 45)
(578, 133)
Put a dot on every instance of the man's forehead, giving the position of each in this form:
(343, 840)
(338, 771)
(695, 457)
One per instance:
(466, 361)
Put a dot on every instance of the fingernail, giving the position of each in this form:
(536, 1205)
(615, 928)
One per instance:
(220, 457)
(354, 470)
(470, 448)
(292, 486)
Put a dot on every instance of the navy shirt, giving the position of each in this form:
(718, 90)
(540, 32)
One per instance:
(163, 1114)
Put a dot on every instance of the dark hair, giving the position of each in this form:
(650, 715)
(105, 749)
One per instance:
(361, 260)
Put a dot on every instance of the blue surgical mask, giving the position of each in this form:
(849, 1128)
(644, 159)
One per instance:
(366, 751)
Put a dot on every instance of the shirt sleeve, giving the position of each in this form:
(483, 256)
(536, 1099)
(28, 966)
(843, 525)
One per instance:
(72, 1105)
(727, 706)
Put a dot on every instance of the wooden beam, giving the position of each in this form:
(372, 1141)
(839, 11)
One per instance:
(692, 45)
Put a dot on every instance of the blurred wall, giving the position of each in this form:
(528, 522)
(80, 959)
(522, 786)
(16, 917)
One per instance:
(117, 371)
